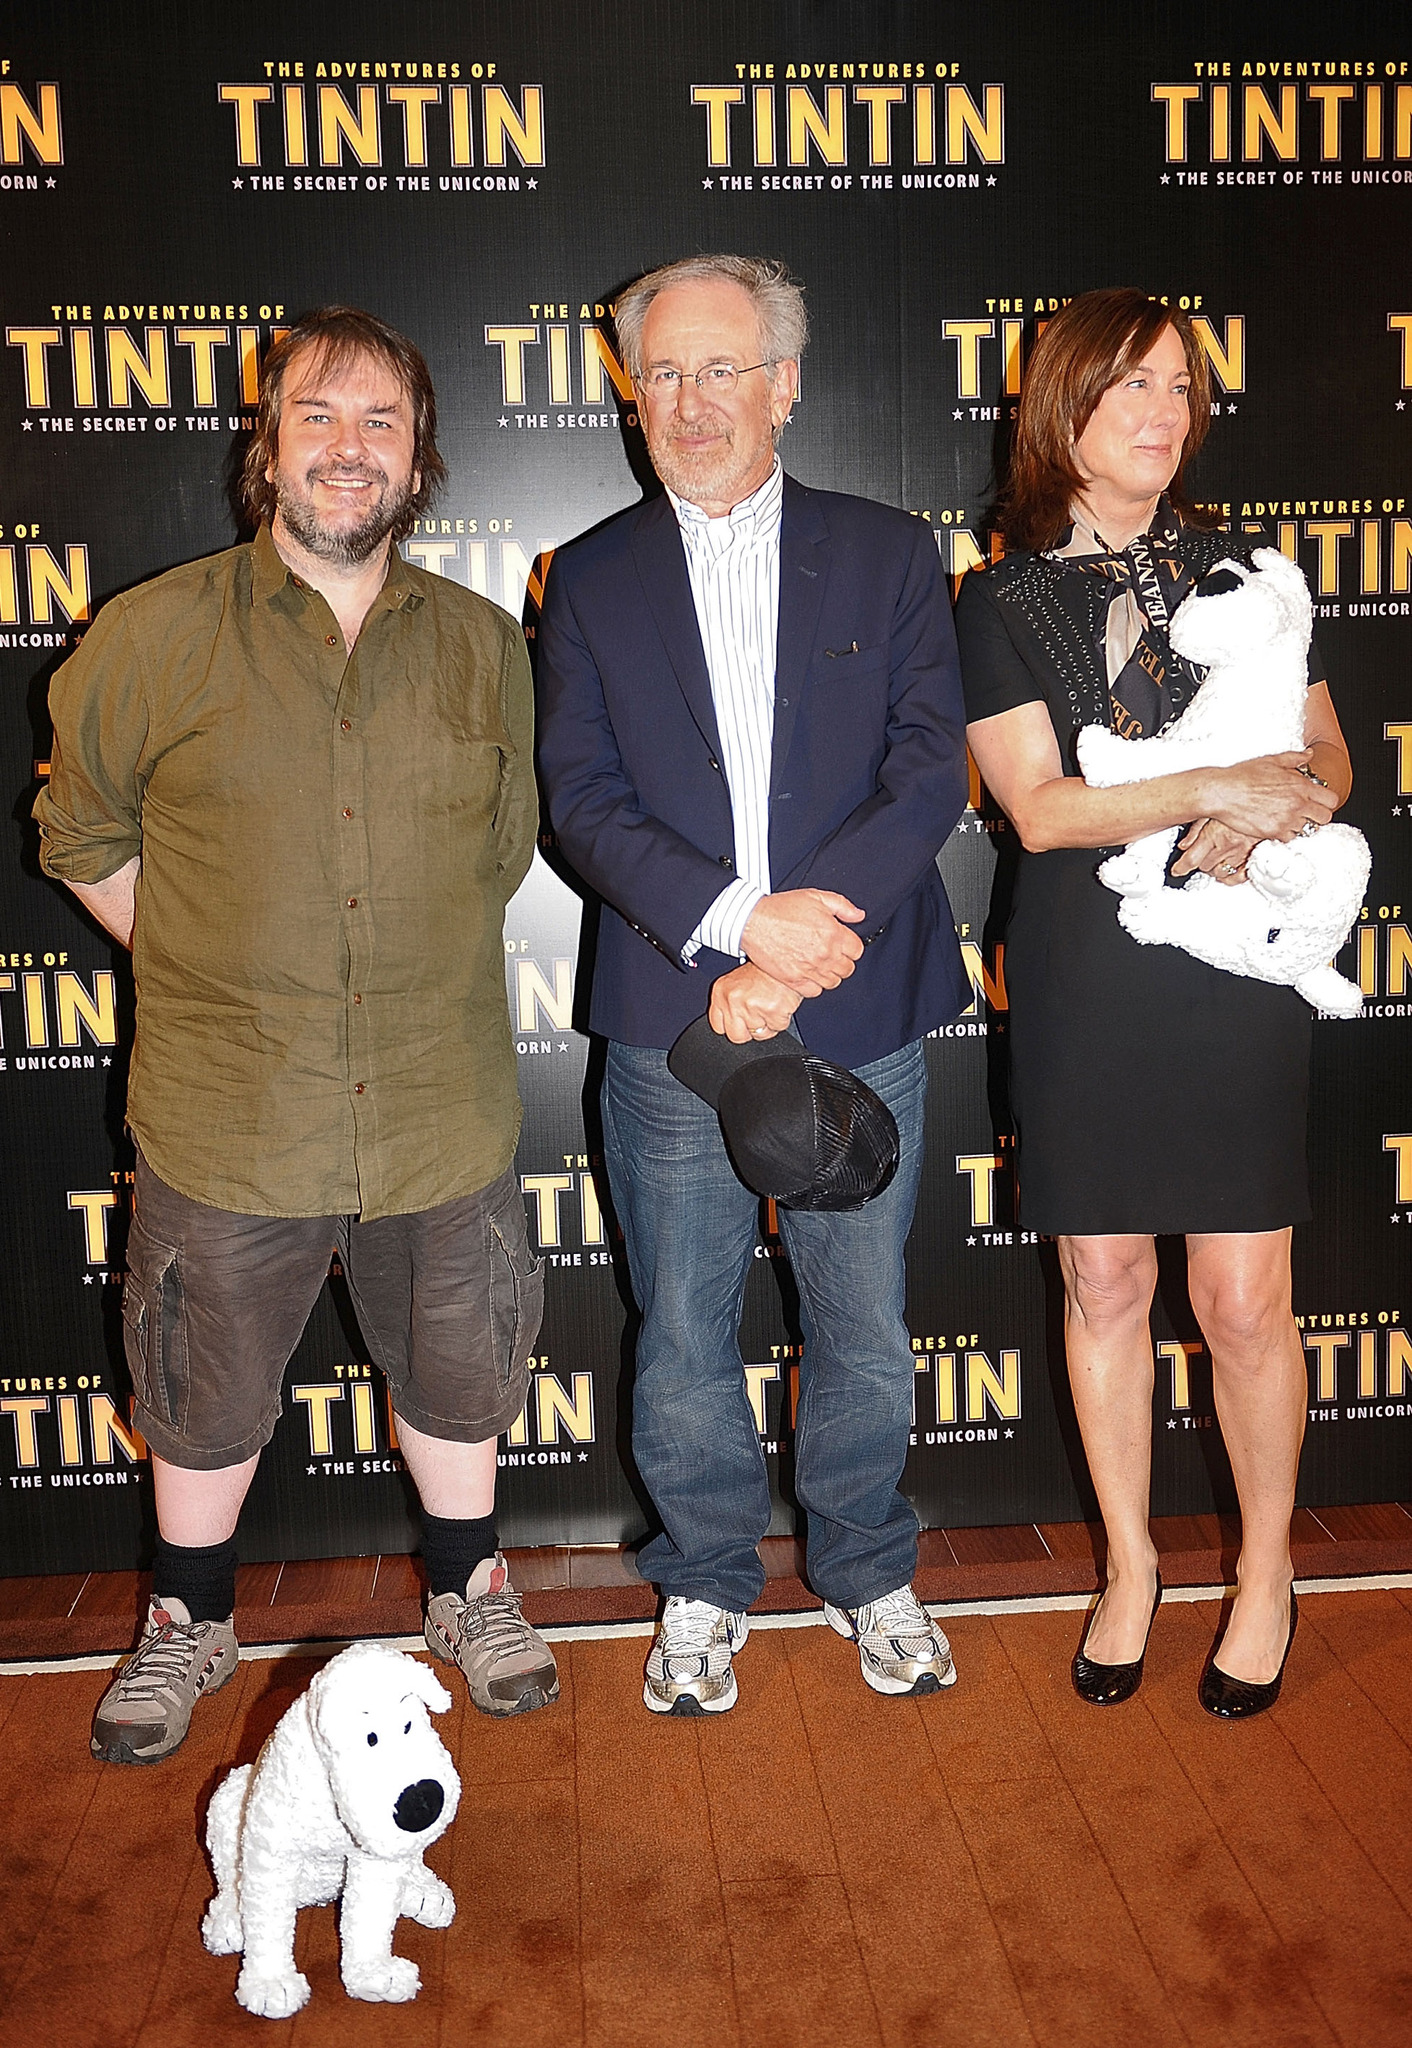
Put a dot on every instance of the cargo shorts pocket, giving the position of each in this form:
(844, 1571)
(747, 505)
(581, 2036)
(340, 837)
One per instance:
(154, 1326)
(516, 1289)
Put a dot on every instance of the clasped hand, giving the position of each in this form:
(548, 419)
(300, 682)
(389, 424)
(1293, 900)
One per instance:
(1268, 798)
(747, 1003)
(800, 937)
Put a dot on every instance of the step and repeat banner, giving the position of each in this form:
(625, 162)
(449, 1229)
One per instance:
(177, 183)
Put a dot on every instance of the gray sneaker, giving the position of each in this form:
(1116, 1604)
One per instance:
(508, 1667)
(900, 1647)
(146, 1711)
(689, 1664)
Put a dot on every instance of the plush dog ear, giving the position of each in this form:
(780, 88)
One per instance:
(423, 1682)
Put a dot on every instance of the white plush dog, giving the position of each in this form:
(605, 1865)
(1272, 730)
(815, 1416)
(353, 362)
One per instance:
(1289, 917)
(351, 1787)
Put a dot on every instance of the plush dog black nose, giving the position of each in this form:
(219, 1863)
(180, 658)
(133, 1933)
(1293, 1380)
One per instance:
(418, 1805)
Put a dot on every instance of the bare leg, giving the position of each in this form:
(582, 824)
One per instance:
(1240, 1289)
(1108, 1287)
(195, 1509)
(453, 1480)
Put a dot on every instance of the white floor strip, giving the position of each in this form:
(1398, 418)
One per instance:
(610, 1631)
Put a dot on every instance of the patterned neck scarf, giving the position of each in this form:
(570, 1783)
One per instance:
(1147, 682)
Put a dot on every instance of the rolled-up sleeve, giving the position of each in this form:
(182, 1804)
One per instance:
(90, 813)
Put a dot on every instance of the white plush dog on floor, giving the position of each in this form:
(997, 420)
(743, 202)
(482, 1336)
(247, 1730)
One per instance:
(1289, 917)
(351, 1787)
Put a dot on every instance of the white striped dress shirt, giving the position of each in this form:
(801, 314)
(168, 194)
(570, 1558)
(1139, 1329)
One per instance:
(734, 567)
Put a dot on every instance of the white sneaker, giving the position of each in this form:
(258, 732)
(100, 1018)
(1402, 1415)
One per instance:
(900, 1647)
(689, 1665)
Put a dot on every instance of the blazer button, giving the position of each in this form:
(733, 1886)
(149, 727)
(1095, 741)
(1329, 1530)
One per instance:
(726, 861)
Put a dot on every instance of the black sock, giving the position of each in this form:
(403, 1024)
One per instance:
(451, 1549)
(202, 1578)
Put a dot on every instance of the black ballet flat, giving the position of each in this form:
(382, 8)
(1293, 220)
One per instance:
(1236, 1699)
(1108, 1685)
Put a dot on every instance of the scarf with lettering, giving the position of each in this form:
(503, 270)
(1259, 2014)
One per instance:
(1148, 682)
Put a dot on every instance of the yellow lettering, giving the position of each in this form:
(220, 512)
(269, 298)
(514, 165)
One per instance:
(985, 1387)
(524, 130)
(318, 1400)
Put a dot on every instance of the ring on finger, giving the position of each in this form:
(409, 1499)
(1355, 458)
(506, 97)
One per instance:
(1308, 829)
(1228, 867)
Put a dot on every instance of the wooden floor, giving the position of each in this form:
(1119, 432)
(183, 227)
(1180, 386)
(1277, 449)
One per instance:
(84, 1614)
(997, 1866)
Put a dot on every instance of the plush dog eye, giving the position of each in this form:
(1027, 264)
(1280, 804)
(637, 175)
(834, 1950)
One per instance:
(372, 1740)
(408, 1729)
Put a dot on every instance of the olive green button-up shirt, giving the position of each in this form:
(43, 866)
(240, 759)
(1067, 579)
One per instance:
(328, 843)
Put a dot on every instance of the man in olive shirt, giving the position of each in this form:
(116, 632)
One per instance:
(296, 778)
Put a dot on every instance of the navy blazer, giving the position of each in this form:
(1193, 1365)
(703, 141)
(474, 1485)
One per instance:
(868, 772)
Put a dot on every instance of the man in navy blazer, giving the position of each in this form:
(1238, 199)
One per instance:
(752, 745)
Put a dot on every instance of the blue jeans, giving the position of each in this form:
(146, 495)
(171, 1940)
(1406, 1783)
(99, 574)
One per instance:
(691, 1231)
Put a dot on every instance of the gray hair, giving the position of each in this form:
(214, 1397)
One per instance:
(777, 297)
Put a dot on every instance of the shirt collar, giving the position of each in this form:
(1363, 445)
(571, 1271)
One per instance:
(754, 518)
(270, 573)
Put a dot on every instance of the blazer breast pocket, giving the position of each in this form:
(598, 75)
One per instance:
(848, 662)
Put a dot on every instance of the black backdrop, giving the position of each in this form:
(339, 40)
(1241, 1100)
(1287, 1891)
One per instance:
(176, 183)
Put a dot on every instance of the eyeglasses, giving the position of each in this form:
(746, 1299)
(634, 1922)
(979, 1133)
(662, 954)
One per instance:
(717, 380)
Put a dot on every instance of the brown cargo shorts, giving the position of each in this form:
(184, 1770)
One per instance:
(449, 1301)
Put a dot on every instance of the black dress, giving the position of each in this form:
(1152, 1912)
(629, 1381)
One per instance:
(1151, 1092)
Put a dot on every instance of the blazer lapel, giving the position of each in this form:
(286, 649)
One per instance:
(805, 560)
(661, 568)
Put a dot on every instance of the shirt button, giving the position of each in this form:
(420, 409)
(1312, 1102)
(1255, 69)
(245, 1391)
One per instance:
(352, 903)
(330, 639)
(358, 1088)
(357, 999)
(712, 762)
(726, 861)
(345, 725)
(346, 812)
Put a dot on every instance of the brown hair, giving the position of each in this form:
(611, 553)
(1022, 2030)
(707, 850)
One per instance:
(1090, 345)
(339, 334)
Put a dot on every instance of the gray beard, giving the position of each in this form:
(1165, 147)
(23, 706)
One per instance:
(352, 546)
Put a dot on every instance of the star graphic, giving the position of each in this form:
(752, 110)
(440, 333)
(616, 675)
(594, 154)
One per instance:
(1173, 1423)
(583, 1457)
(970, 1240)
(1229, 407)
(26, 426)
(1009, 1432)
(236, 184)
(533, 184)
(1165, 179)
(705, 184)
(563, 1045)
(1394, 1218)
(310, 1470)
(1402, 405)
(51, 183)
(990, 181)
(504, 423)
(106, 1061)
(957, 413)
(1397, 810)
(88, 1279)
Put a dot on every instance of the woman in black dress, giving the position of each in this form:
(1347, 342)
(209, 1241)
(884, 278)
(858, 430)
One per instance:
(1152, 1093)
